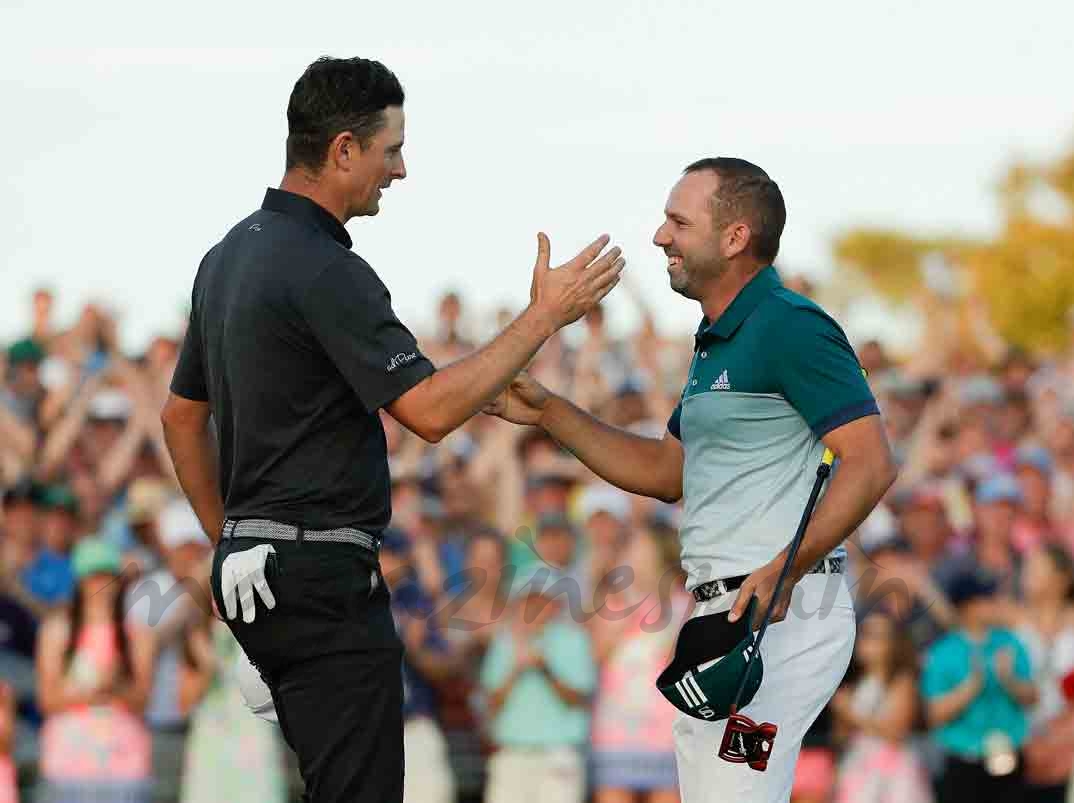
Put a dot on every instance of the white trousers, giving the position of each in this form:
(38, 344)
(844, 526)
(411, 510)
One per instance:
(805, 658)
(427, 777)
(551, 775)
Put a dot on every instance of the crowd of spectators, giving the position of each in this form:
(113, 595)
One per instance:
(536, 603)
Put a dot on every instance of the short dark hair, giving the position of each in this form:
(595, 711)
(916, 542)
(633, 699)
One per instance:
(746, 191)
(333, 96)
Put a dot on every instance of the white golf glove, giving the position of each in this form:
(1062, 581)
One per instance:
(241, 574)
(255, 693)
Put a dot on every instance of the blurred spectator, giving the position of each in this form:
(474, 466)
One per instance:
(1034, 468)
(162, 602)
(1045, 624)
(986, 484)
(48, 577)
(8, 789)
(427, 662)
(230, 755)
(873, 358)
(633, 748)
(1062, 450)
(557, 547)
(23, 393)
(468, 622)
(875, 716)
(538, 675)
(978, 686)
(94, 675)
(146, 498)
(604, 512)
(991, 550)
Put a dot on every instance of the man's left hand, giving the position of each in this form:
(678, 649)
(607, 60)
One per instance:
(761, 584)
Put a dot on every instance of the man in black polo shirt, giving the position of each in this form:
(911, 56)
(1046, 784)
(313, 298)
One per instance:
(292, 348)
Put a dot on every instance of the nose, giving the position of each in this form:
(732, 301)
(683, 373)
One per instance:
(662, 239)
(400, 171)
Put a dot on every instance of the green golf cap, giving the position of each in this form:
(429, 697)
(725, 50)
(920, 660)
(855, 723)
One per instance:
(58, 497)
(25, 351)
(710, 661)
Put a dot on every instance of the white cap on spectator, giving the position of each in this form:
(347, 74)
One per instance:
(178, 525)
(109, 405)
(604, 499)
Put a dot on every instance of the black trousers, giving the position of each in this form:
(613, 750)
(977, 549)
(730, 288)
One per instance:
(331, 656)
(970, 781)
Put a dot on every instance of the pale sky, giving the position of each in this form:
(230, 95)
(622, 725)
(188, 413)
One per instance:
(135, 136)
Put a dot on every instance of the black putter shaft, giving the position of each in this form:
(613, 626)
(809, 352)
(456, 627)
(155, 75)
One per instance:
(823, 470)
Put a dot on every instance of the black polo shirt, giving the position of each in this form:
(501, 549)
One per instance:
(293, 342)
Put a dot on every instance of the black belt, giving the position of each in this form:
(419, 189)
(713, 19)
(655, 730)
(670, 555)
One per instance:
(278, 531)
(716, 588)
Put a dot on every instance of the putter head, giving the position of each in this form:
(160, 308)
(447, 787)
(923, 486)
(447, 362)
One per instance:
(746, 742)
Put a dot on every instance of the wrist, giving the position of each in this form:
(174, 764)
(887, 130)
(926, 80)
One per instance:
(540, 321)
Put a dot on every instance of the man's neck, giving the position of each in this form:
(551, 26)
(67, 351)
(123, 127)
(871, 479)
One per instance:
(304, 183)
(718, 297)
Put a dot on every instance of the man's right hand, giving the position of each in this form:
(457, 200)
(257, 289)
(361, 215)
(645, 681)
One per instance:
(522, 402)
(564, 294)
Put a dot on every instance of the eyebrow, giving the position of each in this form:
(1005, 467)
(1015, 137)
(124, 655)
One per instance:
(676, 217)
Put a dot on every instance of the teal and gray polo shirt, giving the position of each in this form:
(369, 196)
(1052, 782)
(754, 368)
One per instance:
(770, 377)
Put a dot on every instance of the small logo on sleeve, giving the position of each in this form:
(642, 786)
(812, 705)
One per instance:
(722, 382)
(401, 359)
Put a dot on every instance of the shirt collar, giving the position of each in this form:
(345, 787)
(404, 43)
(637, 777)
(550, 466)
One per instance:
(743, 304)
(308, 210)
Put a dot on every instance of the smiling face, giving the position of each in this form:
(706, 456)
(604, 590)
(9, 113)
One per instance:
(688, 235)
(369, 169)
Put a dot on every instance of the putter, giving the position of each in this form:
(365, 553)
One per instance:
(745, 741)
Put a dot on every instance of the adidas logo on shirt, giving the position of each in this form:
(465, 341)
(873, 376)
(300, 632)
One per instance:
(722, 382)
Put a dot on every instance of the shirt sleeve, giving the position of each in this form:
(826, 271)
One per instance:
(188, 380)
(940, 675)
(350, 313)
(675, 421)
(818, 372)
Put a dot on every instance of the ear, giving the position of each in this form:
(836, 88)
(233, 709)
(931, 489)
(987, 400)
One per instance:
(344, 151)
(736, 239)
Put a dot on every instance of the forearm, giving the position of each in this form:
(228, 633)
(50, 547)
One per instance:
(117, 463)
(62, 438)
(133, 695)
(434, 666)
(948, 707)
(632, 462)
(497, 698)
(569, 696)
(854, 490)
(462, 389)
(16, 436)
(194, 457)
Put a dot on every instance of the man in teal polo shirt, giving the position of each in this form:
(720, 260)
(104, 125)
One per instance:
(772, 384)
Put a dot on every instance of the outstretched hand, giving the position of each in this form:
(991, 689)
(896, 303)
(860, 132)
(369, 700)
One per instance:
(522, 403)
(566, 293)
